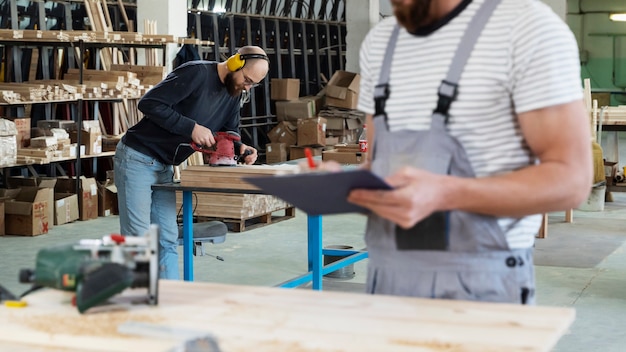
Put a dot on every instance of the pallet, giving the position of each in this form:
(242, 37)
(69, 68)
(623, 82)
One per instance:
(241, 225)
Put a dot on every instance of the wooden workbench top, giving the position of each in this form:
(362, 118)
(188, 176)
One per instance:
(246, 318)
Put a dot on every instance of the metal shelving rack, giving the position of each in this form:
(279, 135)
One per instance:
(304, 39)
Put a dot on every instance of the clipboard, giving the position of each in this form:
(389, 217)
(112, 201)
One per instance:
(320, 193)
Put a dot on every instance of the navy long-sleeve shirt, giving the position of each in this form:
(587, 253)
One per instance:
(192, 93)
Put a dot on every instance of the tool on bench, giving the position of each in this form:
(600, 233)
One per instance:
(222, 153)
(99, 269)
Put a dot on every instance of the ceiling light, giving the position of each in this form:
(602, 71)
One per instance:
(619, 17)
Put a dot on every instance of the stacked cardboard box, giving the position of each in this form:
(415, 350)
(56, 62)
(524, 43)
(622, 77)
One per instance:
(345, 154)
(276, 153)
(22, 125)
(45, 184)
(342, 90)
(325, 119)
(6, 196)
(88, 202)
(91, 137)
(107, 196)
(65, 208)
(284, 88)
(27, 213)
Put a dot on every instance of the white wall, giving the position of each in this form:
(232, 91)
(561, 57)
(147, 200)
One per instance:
(170, 17)
(360, 17)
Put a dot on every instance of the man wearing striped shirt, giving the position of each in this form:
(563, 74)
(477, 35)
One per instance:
(474, 117)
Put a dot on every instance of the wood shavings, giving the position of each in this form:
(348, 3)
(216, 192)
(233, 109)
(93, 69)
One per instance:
(86, 324)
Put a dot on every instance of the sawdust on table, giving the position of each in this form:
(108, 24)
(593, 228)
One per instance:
(85, 324)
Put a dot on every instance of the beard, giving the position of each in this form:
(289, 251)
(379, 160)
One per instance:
(231, 86)
(412, 16)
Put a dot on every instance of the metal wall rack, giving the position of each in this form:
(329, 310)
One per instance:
(305, 39)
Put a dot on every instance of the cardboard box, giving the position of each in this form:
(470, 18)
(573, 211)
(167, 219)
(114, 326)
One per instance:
(22, 125)
(88, 202)
(67, 125)
(275, 153)
(91, 140)
(344, 157)
(344, 136)
(109, 143)
(284, 88)
(296, 152)
(343, 90)
(107, 198)
(293, 110)
(341, 123)
(6, 195)
(312, 132)
(28, 213)
(91, 137)
(47, 184)
(284, 132)
(65, 208)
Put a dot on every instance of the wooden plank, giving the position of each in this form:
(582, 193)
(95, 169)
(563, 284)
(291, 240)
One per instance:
(230, 177)
(252, 318)
(122, 10)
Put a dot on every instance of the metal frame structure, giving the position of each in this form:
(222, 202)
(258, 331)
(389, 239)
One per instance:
(304, 39)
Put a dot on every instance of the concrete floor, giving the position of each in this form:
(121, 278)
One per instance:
(580, 265)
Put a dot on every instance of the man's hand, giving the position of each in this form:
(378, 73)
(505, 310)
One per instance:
(416, 195)
(202, 136)
(251, 156)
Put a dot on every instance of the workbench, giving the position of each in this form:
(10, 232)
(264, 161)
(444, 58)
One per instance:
(247, 318)
(316, 269)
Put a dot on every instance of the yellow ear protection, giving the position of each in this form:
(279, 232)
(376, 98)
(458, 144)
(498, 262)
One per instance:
(238, 61)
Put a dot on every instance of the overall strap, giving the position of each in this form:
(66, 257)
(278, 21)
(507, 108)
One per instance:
(448, 89)
(381, 91)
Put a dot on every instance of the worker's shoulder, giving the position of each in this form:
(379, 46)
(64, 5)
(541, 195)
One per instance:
(523, 10)
(200, 65)
(386, 25)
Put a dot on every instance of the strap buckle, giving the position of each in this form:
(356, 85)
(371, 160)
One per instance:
(447, 93)
(381, 94)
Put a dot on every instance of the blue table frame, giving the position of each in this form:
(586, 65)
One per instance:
(316, 269)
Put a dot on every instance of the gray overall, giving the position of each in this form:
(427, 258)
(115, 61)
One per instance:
(449, 255)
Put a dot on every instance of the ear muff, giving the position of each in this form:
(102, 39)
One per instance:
(238, 61)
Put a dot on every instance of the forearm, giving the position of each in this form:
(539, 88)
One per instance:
(536, 189)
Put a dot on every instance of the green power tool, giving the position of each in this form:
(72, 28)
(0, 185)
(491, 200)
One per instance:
(99, 269)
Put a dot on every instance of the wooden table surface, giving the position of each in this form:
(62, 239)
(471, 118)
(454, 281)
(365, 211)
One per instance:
(247, 318)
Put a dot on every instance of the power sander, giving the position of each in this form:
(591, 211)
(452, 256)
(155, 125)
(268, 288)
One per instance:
(222, 153)
(99, 269)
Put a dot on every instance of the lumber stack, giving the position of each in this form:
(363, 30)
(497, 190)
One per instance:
(614, 115)
(238, 210)
(233, 206)
(230, 177)
(15, 93)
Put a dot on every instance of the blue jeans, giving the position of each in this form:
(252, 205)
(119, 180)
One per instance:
(140, 206)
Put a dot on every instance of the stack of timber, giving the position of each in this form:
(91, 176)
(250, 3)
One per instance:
(239, 210)
(230, 177)
(614, 115)
(17, 93)
(102, 37)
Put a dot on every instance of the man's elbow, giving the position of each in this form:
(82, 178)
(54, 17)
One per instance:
(581, 185)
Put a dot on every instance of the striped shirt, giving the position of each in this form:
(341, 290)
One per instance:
(525, 59)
